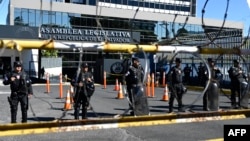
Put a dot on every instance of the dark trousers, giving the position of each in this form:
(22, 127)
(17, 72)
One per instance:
(130, 96)
(176, 93)
(187, 78)
(235, 90)
(81, 101)
(15, 99)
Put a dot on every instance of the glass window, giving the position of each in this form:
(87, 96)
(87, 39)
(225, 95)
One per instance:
(162, 6)
(125, 2)
(17, 16)
(167, 7)
(114, 1)
(152, 5)
(157, 6)
(146, 4)
(187, 9)
(130, 2)
(25, 16)
(119, 1)
(52, 17)
(141, 4)
(135, 3)
(45, 17)
(92, 2)
(38, 19)
(58, 19)
(32, 17)
(65, 20)
(78, 1)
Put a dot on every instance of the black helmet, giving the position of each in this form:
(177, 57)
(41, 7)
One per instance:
(84, 65)
(178, 60)
(210, 60)
(17, 64)
(236, 61)
(135, 59)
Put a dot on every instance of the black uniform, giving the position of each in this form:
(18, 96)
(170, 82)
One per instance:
(201, 74)
(238, 83)
(20, 89)
(176, 86)
(187, 70)
(211, 96)
(134, 79)
(83, 93)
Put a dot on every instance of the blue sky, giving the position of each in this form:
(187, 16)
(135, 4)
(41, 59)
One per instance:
(238, 11)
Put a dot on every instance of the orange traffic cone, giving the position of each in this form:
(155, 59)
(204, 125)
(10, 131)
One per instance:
(165, 95)
(116, 85)
(67, 105)
(120, 93)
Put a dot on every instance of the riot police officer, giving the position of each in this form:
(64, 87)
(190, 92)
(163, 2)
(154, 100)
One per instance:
(134, 78)
(176, 86)
(187, 70)
(84, 84)
(201, 74)
(238, 85)
(21, 90)
(211, 96)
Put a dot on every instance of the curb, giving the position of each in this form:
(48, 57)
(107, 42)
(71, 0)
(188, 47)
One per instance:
(122, 122)
(198, 88)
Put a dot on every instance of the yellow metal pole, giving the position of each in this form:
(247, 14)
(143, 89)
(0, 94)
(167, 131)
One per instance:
(114, 47)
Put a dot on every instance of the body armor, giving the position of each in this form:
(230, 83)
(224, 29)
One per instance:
(20, 88)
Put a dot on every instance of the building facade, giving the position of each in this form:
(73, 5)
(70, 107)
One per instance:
(117, 21)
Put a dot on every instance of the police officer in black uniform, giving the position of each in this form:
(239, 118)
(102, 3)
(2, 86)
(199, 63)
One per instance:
(211, 96)
(187, 70)
(176, 86)
(84, 84)
(238, 84)
(201, 74)
(134, 78)
(21, 90)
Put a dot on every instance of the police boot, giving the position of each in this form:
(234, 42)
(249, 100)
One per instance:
(170, 109)
(84, 113)
(24, 117)
(180, 106)
(171, 103)
(13, 116)
(233, 105)
(76, 113)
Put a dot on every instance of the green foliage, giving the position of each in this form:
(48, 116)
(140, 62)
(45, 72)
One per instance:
(49, 53)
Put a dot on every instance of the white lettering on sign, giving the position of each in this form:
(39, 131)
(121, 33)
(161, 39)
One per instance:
(236, 132)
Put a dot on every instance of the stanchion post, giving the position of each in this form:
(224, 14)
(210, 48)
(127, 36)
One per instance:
(47, 83)
(153, 85)
(104, 80)
(164, 79)
(60, 86)
(148, 85)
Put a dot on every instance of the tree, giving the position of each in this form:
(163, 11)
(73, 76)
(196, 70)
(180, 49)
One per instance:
(49, 53)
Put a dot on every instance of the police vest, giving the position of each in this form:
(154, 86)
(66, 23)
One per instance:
(176, 74)
(135, 75)
(20, 83)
